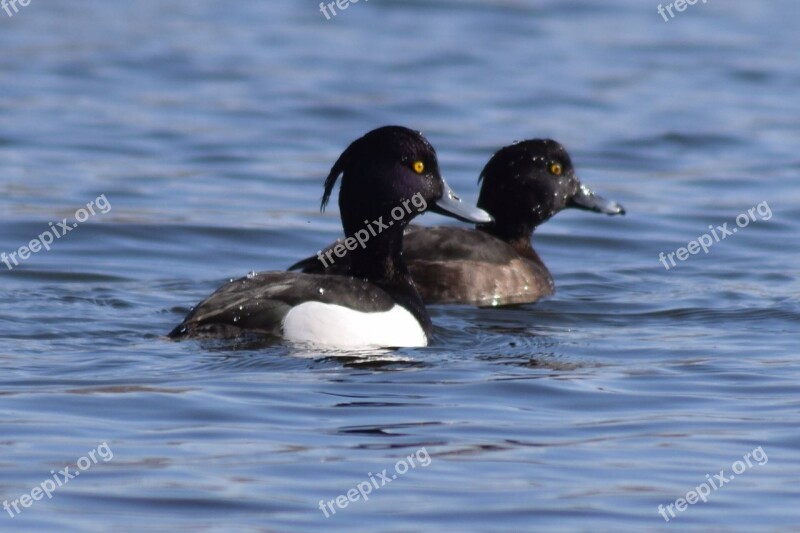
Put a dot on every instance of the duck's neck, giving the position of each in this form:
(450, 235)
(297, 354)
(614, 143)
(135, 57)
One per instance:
(380, 258)
(519, 237)
(380, 261)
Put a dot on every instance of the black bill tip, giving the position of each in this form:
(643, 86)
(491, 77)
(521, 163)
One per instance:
(586, 199)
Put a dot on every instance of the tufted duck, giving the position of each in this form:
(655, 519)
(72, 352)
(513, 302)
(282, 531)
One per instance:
(378, 305)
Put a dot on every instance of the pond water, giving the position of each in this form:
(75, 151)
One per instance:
(201, 133)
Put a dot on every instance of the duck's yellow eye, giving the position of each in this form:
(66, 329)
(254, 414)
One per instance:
(419, 167)
(556, 169)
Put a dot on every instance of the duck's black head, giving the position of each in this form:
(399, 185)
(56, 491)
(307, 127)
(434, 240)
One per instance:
(385, 168)
(526, 183)
(389, 176)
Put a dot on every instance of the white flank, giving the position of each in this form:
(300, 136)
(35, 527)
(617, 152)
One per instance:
(334, 325)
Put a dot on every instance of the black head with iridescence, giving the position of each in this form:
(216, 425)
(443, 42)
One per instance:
(389, 176)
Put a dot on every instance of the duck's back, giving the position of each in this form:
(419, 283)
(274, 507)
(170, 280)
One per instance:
(468, 266)
(320, 309)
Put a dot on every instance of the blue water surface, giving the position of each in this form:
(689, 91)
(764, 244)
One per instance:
(207, 127)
